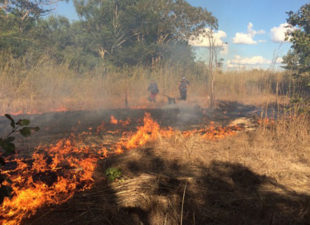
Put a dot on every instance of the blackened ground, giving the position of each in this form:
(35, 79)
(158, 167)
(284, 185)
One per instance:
(56, 125)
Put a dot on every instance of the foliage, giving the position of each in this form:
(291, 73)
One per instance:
(113, 173)
(132, 32)
(7, 147)
(24, 8)
(17, 20)
(298, 106)
(109, 32)
(298, 59)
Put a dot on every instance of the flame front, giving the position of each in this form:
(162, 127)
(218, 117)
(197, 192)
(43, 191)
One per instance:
(53, 177)
(56, 172)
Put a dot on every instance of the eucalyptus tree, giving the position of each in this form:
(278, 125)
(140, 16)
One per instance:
(137, 31)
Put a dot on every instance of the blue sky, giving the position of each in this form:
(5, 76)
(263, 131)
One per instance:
(235, 15)
(251, 29)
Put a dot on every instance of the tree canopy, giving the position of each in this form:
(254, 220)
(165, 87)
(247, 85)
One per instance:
(298, 58)
(136, 31)
(120, 32)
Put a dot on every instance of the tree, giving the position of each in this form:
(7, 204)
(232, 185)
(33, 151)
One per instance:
(137, 31)
(25, 8)
(18, 18)
(298, 58)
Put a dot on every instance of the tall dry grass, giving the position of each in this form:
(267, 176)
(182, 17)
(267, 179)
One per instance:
(46, 86)
(256, 87)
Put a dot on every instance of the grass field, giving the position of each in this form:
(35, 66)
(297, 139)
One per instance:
(257, 173)
(48, 87)
(256, 176)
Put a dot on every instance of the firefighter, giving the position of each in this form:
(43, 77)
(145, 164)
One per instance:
(153, 89)
(183, 88)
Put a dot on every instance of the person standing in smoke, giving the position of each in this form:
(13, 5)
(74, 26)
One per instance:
(183, 88)
(153, 89)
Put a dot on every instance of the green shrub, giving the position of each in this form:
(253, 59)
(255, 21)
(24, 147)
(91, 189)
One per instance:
(113, 174)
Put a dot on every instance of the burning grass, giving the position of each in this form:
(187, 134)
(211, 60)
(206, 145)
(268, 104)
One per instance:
(259, 175)
(57, 171)
(242, 178)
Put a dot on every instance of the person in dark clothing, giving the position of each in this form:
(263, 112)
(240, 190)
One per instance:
(153, 89)
(183, 88)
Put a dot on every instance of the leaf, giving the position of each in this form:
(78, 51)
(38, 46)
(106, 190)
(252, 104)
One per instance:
(11, 119)
(25, 131)
(8, 147)
(23, 122)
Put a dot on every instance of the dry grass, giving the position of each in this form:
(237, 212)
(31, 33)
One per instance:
(257, 177)
(280, 150)
(256, 87)
(49, 87)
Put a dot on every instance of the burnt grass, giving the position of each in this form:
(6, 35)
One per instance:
(155, 188)
(55, 125)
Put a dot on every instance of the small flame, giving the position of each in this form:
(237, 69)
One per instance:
(113, 120)
(125, 122)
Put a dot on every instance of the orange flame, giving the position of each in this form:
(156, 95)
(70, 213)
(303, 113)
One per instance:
(113, 120)
(56, 172)
(149, 132)
(124, 122)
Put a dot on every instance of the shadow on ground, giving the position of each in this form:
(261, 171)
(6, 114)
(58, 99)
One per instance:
(153, 188)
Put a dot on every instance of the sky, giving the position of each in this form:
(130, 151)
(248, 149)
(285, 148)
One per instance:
(250, 32)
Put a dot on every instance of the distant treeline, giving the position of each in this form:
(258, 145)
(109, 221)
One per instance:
(115, 32)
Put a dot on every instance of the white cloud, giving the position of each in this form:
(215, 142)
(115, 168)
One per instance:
(278, 33)
(202, 40)
(279, 60)
(247, 38)
(241, 38)
(240, 62)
